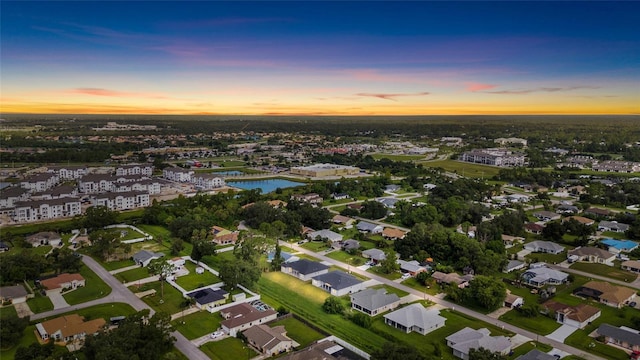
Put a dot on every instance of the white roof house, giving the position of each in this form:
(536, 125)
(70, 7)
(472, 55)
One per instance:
(543, 275)
(415, 318)
(466, 339)
(544, 247)
(325, 234)
(374, 301)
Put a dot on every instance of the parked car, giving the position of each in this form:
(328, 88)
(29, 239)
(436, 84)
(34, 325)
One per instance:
(217, 334)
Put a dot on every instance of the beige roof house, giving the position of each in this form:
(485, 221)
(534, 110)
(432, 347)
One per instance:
(63, 281)
(606, 293)
(270, 341)
(67, 328)
(393, 233)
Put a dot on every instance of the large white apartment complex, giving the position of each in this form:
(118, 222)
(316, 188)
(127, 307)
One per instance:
(494, 156)
(36, 210)
(122, 201)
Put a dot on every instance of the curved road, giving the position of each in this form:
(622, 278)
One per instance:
(474, 314)
(120, 293)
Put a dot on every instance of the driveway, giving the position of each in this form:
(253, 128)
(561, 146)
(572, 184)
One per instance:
(57, 300)
(23, 309)
(562, 333)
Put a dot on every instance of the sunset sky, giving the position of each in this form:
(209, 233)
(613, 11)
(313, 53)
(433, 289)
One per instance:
(329, 58)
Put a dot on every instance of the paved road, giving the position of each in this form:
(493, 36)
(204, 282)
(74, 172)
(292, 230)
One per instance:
(120, 294)
(634, 284)
(479, 316)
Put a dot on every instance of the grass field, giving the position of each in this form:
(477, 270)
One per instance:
(169, 304)
(345, 257)
(95, 288)
(40, 303)
(299, 331)
(315, 246)
(540, 324)
(198, 324)
(214, 261)
(391, 290)
(604, 270)
(463, 168)
(229, 348)
(194, 280)
(132, 275)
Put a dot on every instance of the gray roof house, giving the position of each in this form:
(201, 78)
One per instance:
(411, 267)
(364, 226)
(544, 247)
(536, 354)
(389, 203)
(466, 339)
(513, 265)
(374, 254)
(304, 269)
(374, 301)
(350, 244)
(546, 215)
(416, 318)
(325, 234)
(144, 257)
(15, 294)
(620, 336)
(612, 226)
(45, 238)
(592, 255)
(209, 297)
(338, 283)
(542, 276)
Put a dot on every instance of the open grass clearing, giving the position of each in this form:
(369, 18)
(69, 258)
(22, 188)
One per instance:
(94, 288)
(540, 324)
(548, 258)
(197, 324)
(132, 275)
(299, 331)
(398, 157)
(169, 304)
(464, 168)
(315, 246)
(40, 303)
(228, 348)
(377, 270)
(605, 270)
(345, 257)
(214, 261)
(194, 280)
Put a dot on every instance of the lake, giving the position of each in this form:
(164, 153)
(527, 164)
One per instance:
(229, 172)
(267, 185)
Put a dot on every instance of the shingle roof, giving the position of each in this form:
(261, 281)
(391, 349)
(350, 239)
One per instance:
(144, 255)
(265, 337)
(536, 354)
(416, 315)
(207, 296)
(366, 226)
(373, 298)
(71, 325)
(591, 251)
(56, 282)
(611, 293)
(473, 339)
(12, 292)
(338, 279)
(619, 334)
(375, 254)
(304, 266)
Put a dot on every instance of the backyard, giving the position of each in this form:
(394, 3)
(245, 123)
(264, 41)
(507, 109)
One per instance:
(133, 274)
(197, 324)
(40, 303)
(299, 331)
(228, 348)
(194, 280)
(612, 272)
(169, 304)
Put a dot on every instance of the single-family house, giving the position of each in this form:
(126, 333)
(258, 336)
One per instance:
(340, 196)
(544, 247)
(304, 269)
(177, 263)
(620, 336)
(389, 203)
(243, 316)
(311, 198)
(591, 255)
(325, 234)
(514, 265)
(415, 318)
(509, 240)
(393, 233)
(619, 246)
(567, 209)
(392, 188)
(338, 283)
(466, 339)
(577, 316)
(270, 341)
(222, 236)
(320, 350)
(343, 221)
(209, 298)
(350, 244)
(460, 281)
(536, 354)
(367, 227)
(374, 301)
(541, 276)
(286, 257)
(412, 267)
(597, 212)
(631, 265)
(546, 215)
(376, 255)
(44, 238)
(612, 226)
(14, 294)
(144, 257)
(278, 204)
(68, 328)
(62, 282)
(533, 228)
(605, 293)
(581, 219)
(512, 301)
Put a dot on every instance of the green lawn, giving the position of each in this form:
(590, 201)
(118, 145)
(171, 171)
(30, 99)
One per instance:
(396, 157)
(614, 235)
(540, 324)
(528, 346)
(95, 288)
(114, 265)
(7, 311)
(197, 324)
(172, 297)
(228, 348)
(391, 290)
(299, 331)
(40, 304)
(214, 261)
(463, 168)
(392, 276)
(193, 280)
(129, 234)
(315, 246)
(345, 257)
(604, 270)
(548, 258)
(132, 275)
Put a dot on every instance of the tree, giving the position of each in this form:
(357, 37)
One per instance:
(277, 258)
(12, 329)
(361, 319)
(488, 292)
(485, 354)
(237, 272)
(63, 260)
(389, 264)
(333, 305)
(104, 243)
(97, 217)
(202, 248)
(163, 269)
(373, 210)
(396, 351)
(177, 245)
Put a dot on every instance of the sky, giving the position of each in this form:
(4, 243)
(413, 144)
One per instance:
(320, 57)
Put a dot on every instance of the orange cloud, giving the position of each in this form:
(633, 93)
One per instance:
(391, 97)
(114, 93)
